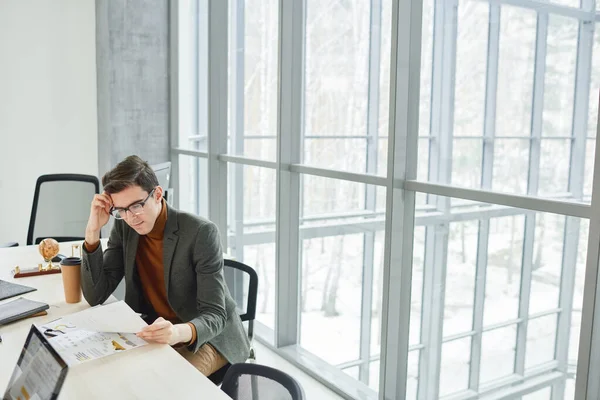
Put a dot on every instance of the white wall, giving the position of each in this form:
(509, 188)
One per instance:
(48, 120)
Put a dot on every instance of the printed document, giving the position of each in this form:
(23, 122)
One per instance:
(95, 333)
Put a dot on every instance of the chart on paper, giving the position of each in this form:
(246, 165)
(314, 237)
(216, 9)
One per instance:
(77, 345)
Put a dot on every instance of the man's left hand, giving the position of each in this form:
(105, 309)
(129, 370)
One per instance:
(163, 331)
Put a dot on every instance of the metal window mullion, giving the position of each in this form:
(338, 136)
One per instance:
(433, 176)
(217, 114)
(202, 104)
(174, 96)
(370, 190)
(486, 183)
(479, 303)
(573, 225)
(447, 24)
(587, 384)
(532, 189)
(400, 205)
(289, 125)
(235, 280)
(237, 122)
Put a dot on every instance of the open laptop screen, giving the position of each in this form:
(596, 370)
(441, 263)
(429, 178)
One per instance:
(40, 371)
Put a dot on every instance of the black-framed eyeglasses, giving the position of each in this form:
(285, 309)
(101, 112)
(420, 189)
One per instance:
(135, 209)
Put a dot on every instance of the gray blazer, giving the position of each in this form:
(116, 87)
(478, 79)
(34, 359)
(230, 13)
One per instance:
(193, 268)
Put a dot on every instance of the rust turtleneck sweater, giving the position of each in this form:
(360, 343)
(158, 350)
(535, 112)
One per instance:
(149, 260)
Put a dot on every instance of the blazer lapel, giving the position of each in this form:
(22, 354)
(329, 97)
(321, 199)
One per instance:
(170, 239)
(131, 250)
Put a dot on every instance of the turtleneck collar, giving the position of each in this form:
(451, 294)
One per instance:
(159, 226)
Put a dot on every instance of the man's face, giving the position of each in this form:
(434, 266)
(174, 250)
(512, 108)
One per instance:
(144, 221)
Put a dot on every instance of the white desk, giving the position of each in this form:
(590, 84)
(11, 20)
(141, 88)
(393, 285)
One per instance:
(149, 372)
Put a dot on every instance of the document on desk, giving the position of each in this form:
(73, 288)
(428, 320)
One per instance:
(77, 344)
(116, 317)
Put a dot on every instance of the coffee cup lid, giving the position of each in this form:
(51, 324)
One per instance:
(71, 261)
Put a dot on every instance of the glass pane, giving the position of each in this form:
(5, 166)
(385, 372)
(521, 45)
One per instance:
(262, 259)
(471, 63)
(541, 337)
(454, 369)
(466, 162)
(192, 85)
(426, 68)
(588, 173)
(511, 165)
(559, 80)
(570, 389)
(460, 277)
(422, 168)
(251, 212)
(412, 378)
(503, 273)
(253, 79)
(341, 154)
(555, 158)
(497, 353)
(544, 394)
(416, 295)
(193, 186)
(384, 84)
(382, 158)
(374, 375)
(546, 271)
(515, 71)
(261, 148)
(578, 293)
(574, 339)
(331, 197)
(352, 371)
(337, 80)
(377, 304)
(331, 296)
(337, 257)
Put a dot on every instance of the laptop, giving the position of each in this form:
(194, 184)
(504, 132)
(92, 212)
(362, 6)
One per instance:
(40, 371)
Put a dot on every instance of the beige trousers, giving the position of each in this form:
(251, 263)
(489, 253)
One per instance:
(207, 359)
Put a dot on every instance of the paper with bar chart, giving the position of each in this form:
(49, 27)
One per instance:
(76, 345)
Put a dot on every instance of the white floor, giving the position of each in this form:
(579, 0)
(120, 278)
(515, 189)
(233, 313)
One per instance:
(313, 389)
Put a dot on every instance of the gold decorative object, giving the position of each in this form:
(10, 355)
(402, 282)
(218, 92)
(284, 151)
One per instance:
(48, 248)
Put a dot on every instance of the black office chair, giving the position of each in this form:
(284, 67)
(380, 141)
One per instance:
(9, 244)
(259, 382)
(249, 314)
(61, 207)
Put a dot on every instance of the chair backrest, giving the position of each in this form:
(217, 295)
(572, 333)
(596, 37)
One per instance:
(259, 382)
(61, 207)
(249, 313)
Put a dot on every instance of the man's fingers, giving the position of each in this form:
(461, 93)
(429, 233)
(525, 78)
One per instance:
(157, 326)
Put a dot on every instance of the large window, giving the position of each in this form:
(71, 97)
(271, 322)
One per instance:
(300, 136)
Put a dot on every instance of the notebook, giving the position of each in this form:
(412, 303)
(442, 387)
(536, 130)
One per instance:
(19, 309)
(8, 289)
(40, 371)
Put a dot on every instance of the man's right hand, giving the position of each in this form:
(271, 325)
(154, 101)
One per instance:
(99, 215)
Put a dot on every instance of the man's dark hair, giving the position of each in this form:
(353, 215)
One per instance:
(131, 171)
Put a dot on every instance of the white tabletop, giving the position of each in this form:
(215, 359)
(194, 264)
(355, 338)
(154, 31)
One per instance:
(149, 372)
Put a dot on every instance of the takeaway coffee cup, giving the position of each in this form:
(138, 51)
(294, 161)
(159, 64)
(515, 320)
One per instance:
(71, 276)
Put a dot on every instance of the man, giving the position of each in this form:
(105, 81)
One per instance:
(172, 263)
